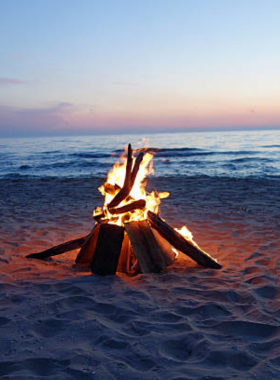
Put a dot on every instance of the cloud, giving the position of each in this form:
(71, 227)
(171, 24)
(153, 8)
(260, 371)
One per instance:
(33, 121)
(10, 81)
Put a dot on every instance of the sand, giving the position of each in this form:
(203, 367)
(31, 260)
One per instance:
(59, 322)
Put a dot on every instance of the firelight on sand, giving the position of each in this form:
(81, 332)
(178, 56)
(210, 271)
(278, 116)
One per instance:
(128, 235)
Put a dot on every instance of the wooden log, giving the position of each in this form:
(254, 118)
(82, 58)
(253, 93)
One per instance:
(180, 243)
(108, 248)
(59, 249)
(166, 248)
(130, 176)
(146, 249)
(86, 252)
(136, 205)
(98, 217)
(124, 259)
(136, 167)
(125, 190)
(113, 189)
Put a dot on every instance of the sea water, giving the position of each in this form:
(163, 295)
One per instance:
(242, 154)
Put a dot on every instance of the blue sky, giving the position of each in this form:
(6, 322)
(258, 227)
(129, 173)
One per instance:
(70, 67)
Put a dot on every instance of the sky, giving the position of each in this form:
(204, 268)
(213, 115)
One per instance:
(111, 66)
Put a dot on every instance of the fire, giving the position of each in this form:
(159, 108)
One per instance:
(115, 181)
(184, 231)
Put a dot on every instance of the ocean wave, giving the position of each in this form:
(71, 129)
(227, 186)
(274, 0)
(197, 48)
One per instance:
(251, 159)
(51, 152)
(189, 152)
(91, 155)
(25, 167)
(72, 164)
(270, 146)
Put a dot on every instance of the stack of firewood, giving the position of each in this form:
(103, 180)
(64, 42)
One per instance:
(145, 246)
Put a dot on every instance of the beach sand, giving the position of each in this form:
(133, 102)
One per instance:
(59, 322)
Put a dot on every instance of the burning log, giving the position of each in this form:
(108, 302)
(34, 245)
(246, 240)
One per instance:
(145, 247)
(98, 217)
(59, 249)
(136, 205)
(107, 251)
(180, 243)
(130, 176)
(113, 189)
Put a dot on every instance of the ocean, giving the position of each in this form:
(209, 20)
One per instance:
(242, 154)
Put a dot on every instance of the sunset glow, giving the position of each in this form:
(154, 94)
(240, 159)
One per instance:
(119, 66)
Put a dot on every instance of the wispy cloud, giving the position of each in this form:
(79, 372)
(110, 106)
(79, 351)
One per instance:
(34, 121)
(10, 81)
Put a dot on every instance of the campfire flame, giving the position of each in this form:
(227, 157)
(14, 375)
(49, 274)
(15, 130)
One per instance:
(145, 245)
(184, 231)
(115, 181)
(116, 177)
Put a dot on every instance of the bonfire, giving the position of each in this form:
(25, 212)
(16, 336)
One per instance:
(128, 234)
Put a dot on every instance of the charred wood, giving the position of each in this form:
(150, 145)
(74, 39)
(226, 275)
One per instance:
(180, 243)
(125, 190)
(107, 251)
(86, 252)
(136, 205)
(166, 248)
(59, 249)
(124, 260)
(145, 247)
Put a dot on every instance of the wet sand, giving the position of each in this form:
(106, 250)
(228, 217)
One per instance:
(59, 322)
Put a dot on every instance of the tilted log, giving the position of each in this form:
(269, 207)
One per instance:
(107, 251)
(59, 249)
(113, 189)
(98, 217)
(180, 243)
(130, 176)
(166, 248)
(86, 252)
(145, 247)
(136, 205)
(124, 259)
(125, 190)
(136, 167)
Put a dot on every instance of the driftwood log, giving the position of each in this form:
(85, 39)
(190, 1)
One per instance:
(130, 176)
(86, 252)
(125, 256)
(166, 248)
(59, 249)
(180, 243)
(145, 247)
(135, 205)
(107, 251)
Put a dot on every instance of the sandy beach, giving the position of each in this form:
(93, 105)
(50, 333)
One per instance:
(61, 322)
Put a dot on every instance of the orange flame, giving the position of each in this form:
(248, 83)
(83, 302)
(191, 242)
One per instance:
(116, 176)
